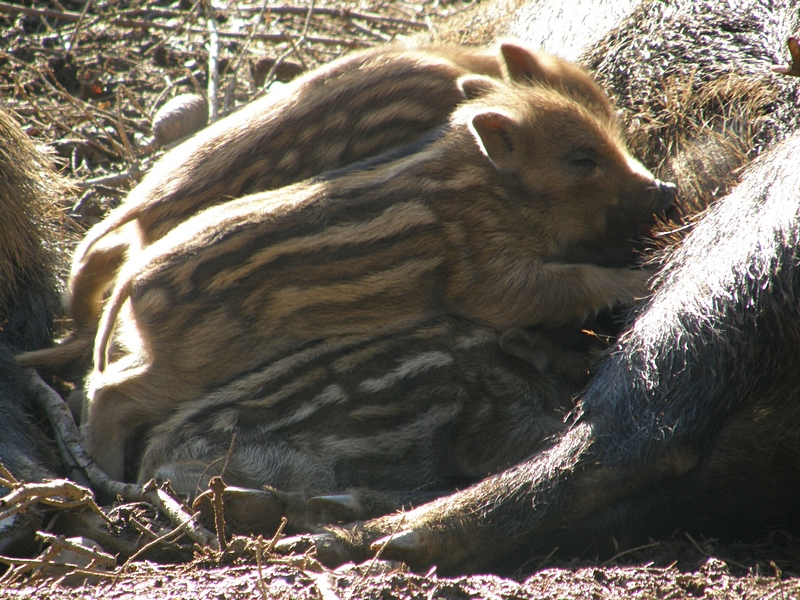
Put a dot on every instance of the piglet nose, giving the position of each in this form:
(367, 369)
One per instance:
(667, 192)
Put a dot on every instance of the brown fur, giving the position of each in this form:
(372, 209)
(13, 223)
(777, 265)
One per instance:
(476, 223)
(351, 109)
(29, 237)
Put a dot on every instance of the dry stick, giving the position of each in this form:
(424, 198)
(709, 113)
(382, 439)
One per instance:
(133, 173)
(364, 29)
(288, 39)
(628, 551)
(432, 28)
(35, 12)
(177, 532)
(218, 490)
(137, 24)
(695, 544)
(227, 97)
(88, 110)
(308, 20)
(78, 25)
(132, 99)
(174, 533)
(58, 542)
(303, 36)
(27, 494)
(170, 85)
(213, 65)
(375, 559)
(244, 48)
(266, 37)
(172, 508)
(50, 119)
(200, 91)
(60, 418)
(225, 460)
(261, 586)
(121, 129)
(277, 535)
(6, 478)
(341, 13)
(142, 527)
(175, 31)
(228, 455)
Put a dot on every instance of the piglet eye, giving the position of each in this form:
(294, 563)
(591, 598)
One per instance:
(583, 159)
(585, 163)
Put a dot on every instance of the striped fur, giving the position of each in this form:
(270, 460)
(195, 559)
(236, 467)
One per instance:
(476, 223)
(346, 111)
(408, 414)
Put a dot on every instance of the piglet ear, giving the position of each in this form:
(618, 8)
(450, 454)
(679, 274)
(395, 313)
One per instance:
(523, 65)
(494, 133)
(476, 86)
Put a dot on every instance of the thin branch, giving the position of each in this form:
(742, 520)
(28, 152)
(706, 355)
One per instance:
(70, 44)
(213, 65)
(218, 491)
(60, 418)
(25, 495)
(341, 13)
(266, 37)
(172, 508)
(366, 30)
(132, 173)
(278, 10)
(121, 128)
(36, 12)
(59, 542)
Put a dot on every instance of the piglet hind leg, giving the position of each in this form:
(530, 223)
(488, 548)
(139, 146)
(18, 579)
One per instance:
(690, 422)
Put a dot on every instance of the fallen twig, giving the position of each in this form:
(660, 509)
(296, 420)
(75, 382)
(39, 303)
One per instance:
(6, 478)
(24, 495)
(121, 128)
(213, 65)
(60, 418)
(170, 535)
(169, 505)
(58, 542)
(266, 37)
(341, 13)
(218, 490)
(133, 173)
(71, 44)
(366, 30)
(37, 12)
(278, 10)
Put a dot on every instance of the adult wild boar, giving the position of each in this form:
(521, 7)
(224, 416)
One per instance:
(28, 303)
(690, 422)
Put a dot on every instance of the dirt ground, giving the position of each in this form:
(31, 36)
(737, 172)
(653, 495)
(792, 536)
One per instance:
(713, 579)
(86, 80)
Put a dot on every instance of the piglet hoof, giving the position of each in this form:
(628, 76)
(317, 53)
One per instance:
(246, 511)
(794, 68)
(330, 549)
(298, 544)
(409, 546)
(341, 507)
